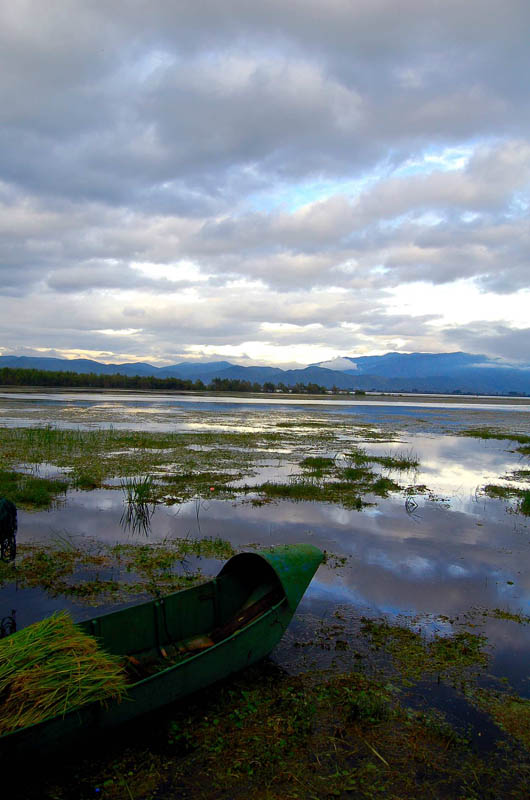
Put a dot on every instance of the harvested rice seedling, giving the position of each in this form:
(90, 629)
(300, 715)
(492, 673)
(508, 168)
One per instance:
(51, 668)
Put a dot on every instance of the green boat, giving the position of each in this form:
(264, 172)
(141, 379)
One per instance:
(203, 634)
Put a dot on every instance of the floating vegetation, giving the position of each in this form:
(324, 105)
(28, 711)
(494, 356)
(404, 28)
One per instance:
(51, 668)
(510, 712)
(95, 572)
(506, 492)
(523, 439)
(414, 656)
(498, 613)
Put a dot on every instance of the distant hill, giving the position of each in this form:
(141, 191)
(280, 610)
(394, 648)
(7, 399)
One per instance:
(393, 372)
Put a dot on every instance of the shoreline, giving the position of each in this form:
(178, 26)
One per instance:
(410, 398)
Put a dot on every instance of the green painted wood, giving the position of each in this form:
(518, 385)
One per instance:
(244, 579)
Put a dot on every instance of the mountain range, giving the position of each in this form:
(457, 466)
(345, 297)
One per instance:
(458, 372)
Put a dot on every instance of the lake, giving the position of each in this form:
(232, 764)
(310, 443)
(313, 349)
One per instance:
(437, 553)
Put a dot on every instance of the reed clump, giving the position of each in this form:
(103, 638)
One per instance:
(51, 668)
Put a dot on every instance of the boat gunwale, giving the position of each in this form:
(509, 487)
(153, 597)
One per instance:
(284, 608)
(105, 703)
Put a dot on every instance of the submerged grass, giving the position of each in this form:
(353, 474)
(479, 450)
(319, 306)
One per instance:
(510, 712)
(453, 658)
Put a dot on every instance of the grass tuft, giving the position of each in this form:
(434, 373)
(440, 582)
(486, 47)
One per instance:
(28, 491)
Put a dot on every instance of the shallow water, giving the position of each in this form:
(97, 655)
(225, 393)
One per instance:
(451, 552)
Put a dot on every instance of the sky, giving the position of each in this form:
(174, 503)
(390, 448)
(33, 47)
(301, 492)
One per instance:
(265, 183)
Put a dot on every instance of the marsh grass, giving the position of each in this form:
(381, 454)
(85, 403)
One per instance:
(495, 433)
(139, 490)
(357, 474)
(522, 439)
(317, 463)
(400, 460)
(524, 503)
(111, 453)
(519, 475)
(140, 501)
(185, 486)
(498, 613)
(87, 478)
(182, 466)
(325, 479)
(301, 488)
(30, 491)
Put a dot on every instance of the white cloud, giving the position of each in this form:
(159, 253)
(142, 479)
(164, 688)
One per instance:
(291, 182)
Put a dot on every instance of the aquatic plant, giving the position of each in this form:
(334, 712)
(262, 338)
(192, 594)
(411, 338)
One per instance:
(156, 569)
(524, 503)
(29, 491)
(138, 491)
(495, 433)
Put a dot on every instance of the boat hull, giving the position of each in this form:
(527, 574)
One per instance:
(240, 649)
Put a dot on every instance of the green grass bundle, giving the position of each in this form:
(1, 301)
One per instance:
(51, 668)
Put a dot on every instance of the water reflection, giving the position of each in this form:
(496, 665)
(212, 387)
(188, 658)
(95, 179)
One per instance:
(139, 508)
(136, 517)
(8, 530)
(434, 553)
(132, 401)
(172, 412)
(8, 624)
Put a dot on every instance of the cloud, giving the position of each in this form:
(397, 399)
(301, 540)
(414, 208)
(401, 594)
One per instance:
(205, 175)
(498, 340)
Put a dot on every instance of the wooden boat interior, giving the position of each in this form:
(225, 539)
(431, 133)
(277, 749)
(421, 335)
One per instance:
(194, 619)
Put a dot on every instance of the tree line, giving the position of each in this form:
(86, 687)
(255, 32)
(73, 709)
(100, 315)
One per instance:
(14, 376)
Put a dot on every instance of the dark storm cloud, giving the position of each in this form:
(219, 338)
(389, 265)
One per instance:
(123, 99)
